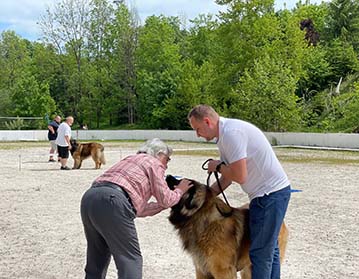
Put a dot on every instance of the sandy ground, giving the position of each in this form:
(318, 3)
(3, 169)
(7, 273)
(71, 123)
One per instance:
(41, 234)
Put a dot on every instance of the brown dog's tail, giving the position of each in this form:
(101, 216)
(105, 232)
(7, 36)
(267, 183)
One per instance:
(283, 239)
(103, 160)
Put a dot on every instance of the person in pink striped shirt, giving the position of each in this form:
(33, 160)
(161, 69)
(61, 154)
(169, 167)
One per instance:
(116, 197)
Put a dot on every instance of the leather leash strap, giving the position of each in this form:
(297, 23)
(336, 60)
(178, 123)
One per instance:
(217, 180)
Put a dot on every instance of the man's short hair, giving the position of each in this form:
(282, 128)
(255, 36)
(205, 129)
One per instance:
(201, 111)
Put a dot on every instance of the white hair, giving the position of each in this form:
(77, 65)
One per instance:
(154, 147)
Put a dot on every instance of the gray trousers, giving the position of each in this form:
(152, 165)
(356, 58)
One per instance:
(108, 220)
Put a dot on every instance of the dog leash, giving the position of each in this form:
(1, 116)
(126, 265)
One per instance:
(217, 180)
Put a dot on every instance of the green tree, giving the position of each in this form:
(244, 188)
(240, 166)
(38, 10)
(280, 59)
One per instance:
(97, 81)
(343, 22)
(200, 42)
(250, 35)
(66, 27)
(123, 43)
(31, 99)
(14, 59)
(194, 85)
(316, 70)
(342, 58)
(158, 62)
(266, 96)
(5, 102)
(47, 68)
(317, 73)
(347, 111)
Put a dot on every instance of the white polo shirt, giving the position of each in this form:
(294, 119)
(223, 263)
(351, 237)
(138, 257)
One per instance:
(239, 139)
(63, 130)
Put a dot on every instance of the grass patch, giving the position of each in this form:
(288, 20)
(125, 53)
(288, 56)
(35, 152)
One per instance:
(294, 155)
(318, 160)
(208, 153)
(289, 155)
(9, 145)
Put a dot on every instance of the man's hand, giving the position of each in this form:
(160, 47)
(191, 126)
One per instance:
(212, 165)
(51, 129)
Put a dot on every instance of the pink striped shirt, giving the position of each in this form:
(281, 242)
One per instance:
(142, 176)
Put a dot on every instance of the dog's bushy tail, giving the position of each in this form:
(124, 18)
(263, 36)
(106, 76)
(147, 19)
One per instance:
(103, 160)
(283, 239)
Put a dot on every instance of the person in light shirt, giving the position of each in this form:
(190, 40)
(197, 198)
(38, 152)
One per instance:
(63, 141)
(246, 157)
(115, 199)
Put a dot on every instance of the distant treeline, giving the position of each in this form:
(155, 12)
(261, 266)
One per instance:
(286, 70)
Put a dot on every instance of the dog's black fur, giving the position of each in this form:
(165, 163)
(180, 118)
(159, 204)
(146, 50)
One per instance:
(74, 146)
(176, 218)
(172, 181)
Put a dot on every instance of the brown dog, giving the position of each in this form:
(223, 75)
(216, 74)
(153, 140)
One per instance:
(81, 151)
(214, 234)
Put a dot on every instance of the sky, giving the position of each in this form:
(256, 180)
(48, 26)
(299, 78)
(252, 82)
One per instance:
(22, 16)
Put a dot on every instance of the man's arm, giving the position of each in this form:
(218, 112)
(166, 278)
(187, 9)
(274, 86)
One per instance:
(224, 184)
(51, 129)
(236, 171)
(67, 139)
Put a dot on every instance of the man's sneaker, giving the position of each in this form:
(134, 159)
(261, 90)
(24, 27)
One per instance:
(52, 160)
(65, 168)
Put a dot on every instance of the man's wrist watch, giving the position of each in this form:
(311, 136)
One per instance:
(218, 167)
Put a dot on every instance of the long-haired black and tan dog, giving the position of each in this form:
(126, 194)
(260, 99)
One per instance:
(81, 151)
(214, 234)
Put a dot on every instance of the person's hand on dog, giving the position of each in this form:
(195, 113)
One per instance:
(184, 185)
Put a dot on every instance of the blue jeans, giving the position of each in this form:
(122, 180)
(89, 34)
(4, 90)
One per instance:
(266, 216)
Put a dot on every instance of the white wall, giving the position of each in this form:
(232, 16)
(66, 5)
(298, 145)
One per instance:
(330, 140)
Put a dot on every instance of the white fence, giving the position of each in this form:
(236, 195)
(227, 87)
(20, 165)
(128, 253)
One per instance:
(328, 140)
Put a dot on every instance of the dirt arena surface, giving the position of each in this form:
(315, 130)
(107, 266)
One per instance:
(41, 234)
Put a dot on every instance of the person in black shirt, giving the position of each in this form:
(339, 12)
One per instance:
(52, 135)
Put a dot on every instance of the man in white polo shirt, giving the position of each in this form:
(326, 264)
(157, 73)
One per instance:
(248, 159)
(63, 141)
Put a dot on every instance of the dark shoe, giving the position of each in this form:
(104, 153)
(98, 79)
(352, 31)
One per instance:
(52, 160)
(65, 168)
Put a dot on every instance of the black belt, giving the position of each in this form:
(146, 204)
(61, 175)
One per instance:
(116, 187)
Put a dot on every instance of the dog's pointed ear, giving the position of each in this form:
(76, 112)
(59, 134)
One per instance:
(172, 181)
